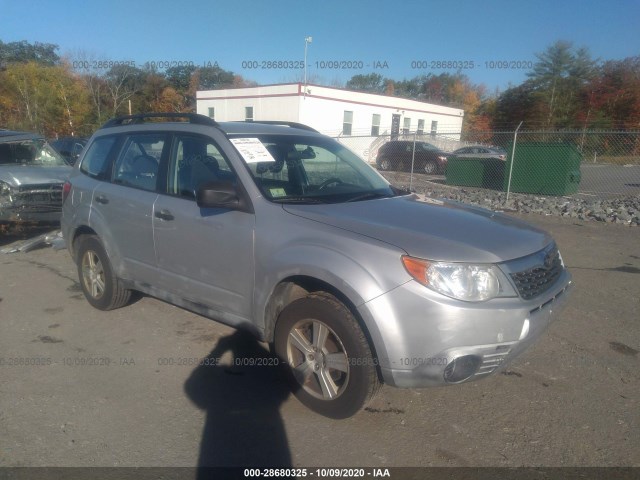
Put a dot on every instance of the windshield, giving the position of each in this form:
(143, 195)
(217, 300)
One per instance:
(30, 152)
(310, 170)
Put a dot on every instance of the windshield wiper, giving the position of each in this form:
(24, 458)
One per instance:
(368, 196)
(298, 200)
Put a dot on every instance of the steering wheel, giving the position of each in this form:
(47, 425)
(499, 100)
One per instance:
(329, 181)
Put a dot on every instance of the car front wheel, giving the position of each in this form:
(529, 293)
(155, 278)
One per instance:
(385, 164)
(102, 289)
(328, 358)
(430, 168)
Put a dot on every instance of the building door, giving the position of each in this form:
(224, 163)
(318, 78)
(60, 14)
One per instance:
(395, 126)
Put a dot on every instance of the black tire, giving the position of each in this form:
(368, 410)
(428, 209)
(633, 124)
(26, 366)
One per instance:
(384, 164)
(339, 391)
(430, 167)
(102, 289)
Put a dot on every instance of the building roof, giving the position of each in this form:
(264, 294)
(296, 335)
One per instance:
(327, 93)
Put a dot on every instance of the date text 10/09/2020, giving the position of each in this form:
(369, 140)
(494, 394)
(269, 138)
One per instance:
(325, 64)
(471, 64)
(337, 64)
(319, 65)
(152, 64)
(317, 472)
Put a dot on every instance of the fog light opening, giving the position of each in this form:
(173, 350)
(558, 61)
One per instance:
(461, 368)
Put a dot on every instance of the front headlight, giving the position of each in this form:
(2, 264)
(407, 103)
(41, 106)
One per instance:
(462, 281)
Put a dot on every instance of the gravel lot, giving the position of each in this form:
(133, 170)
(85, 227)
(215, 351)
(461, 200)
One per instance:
(82, 387)
(622, 209)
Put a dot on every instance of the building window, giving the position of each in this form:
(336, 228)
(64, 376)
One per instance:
(248, 114)
(375, 125)
(421, 126)
(434, 127)
(212, 112)
(406, 126)
(347, 122)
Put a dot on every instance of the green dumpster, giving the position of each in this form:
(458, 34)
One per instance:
(544, 168)
(475, 172)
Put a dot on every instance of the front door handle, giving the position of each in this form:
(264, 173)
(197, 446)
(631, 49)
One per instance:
(164, 215)
(102, 199)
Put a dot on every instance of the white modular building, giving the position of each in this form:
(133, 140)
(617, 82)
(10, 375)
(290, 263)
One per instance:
(352, 116)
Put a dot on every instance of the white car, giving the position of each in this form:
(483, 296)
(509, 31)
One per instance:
(479, 151)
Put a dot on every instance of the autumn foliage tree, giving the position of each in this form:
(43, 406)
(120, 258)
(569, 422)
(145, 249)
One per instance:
(614, 95)
(40, 91)
(50, 99)
(566, 89)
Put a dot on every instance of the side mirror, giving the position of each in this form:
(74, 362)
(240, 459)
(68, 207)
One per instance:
(220, 194)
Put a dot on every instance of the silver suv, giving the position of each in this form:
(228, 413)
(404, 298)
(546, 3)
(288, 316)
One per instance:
(277, 229)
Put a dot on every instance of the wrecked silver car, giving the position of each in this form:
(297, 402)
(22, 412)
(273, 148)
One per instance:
(31, 178)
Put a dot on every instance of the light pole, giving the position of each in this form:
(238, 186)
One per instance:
(307, 41)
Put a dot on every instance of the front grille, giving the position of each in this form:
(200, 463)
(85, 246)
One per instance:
(536, 280)
(41, 198)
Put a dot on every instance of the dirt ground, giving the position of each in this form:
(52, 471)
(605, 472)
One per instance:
(80, 387)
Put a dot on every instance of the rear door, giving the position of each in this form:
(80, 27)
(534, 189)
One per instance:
(204, 255)
(123, 207)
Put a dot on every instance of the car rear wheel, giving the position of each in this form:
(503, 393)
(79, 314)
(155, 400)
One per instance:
(102, 289)
(430, 167)
(329, 361)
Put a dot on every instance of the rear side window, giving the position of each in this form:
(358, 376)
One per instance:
(95, 162)
(138, 164)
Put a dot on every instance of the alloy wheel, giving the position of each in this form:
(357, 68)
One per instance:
(318, 359)
(93, 274)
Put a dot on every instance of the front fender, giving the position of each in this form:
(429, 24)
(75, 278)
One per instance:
(361, 271)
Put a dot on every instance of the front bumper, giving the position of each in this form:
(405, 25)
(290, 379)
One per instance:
(419, 333)
(28, 204)
(19, 215)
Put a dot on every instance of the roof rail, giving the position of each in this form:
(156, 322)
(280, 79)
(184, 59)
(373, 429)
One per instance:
(301, 126)
(140, 119)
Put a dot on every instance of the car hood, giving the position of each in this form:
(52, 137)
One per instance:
(16, 175)
(432, 229)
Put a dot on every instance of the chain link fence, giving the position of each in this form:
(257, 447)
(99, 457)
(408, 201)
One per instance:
(598, 164)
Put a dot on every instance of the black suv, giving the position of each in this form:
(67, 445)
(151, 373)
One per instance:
(399, 155)
(69, 147)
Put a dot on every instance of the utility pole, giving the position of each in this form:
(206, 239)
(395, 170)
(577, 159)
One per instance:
(307, 41)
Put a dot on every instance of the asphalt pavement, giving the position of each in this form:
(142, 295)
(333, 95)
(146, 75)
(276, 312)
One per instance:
(151, 384)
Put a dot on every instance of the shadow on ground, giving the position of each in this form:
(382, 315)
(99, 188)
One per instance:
(242, 391)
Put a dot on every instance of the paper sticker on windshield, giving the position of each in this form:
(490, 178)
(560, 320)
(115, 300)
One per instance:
(277, 192)
(252, 150)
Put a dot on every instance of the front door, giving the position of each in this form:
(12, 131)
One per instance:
(204, 255)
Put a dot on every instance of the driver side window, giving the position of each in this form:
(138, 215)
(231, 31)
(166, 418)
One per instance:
(196, 160)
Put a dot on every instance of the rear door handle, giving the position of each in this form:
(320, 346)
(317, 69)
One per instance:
(164, 215)
(102, 199)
